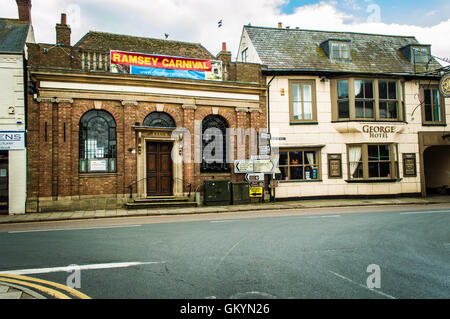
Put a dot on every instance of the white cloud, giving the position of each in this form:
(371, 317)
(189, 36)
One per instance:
(196, 20)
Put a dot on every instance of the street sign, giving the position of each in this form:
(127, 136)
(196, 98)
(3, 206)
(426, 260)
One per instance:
(256, 184)
(264, 150)
(262, 166)
(256, 191)
(254, 177)
(243, 166)
(260, 157)
(264, 136)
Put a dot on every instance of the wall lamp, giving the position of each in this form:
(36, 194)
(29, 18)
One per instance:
(323, 79)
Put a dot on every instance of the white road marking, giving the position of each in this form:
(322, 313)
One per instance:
(426, 212)
(80, 267)
(324, 216)
(222, 221)
(61, 229)
(355, 283)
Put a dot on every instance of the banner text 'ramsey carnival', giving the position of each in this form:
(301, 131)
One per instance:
(167, 66)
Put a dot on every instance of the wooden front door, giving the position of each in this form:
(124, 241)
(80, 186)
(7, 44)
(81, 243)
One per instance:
(159, 169)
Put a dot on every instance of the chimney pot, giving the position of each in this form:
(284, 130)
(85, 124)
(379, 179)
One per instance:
(280, 25)
(63, 18)
(224, 46)
(24, 7)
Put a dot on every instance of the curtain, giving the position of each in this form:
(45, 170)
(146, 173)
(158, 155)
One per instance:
(354, 154)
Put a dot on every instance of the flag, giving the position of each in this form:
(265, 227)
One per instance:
(219, 24)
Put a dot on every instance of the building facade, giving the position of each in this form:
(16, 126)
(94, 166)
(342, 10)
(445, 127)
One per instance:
(14, 34)
(359, 114)
(100, 134)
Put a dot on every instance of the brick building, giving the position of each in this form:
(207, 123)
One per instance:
(96, 137)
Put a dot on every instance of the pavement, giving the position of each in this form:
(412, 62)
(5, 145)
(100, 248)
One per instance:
(14, 291)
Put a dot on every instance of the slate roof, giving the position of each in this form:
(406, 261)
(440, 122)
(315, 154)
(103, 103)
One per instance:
(300, 50)
(13, 35)
(102, 41)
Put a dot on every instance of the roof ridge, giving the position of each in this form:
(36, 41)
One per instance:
(325, 31)
(140, 37)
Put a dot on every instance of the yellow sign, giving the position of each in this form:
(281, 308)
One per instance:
(256, 191)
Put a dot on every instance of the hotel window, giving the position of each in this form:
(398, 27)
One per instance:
(372, 161)
(245, 55)
(97, 143)
(388, 104)
(421, 54)
(433, 108)
(340, 50)
(302, 96)
(300, 164)
(366, 99)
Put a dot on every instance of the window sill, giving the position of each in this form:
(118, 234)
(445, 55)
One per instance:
(84, 175)
(303, 123)
(434, 124)
(369, 120)
(381, 180)
(301, 181)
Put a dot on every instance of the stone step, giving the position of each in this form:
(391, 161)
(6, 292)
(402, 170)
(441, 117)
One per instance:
(161, 199)
(156, 204)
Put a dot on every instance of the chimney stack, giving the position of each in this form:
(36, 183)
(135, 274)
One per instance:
(24, 7)
(63, 32)
(280, 25)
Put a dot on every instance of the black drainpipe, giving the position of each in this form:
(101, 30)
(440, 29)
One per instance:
(272, 197)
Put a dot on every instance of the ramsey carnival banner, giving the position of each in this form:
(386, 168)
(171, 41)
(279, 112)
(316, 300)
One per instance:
(168, 66)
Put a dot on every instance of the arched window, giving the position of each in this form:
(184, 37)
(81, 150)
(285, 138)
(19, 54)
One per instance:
(98, 146)
(214, 144)
(159, 119)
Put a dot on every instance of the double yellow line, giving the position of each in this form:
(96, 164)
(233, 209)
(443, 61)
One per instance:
(35, 284)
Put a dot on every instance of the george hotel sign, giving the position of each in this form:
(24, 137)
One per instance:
(379, 131)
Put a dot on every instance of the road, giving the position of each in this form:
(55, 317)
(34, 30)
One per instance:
(318, 253)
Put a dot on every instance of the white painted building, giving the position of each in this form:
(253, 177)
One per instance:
(14, 34)
(361, 114)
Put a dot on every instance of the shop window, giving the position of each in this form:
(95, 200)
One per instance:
(97, 143)
(433, 108)
(214, 145)
(372, 161)
(302, 101)
(299, 165)
(159, 119)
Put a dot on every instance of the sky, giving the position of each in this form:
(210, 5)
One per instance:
(197, 20)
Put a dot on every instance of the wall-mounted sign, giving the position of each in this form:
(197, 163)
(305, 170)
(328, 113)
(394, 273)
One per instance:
(97, 165)
(444, 85)
(379, 131)
(409, 165)
(167, 66)
(334, 166)
(11, 140)
(256, 191)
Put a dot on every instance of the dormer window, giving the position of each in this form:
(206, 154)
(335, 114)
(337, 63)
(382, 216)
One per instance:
(337, 49)
(416, 53)
(340, 50)
(421, 54)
